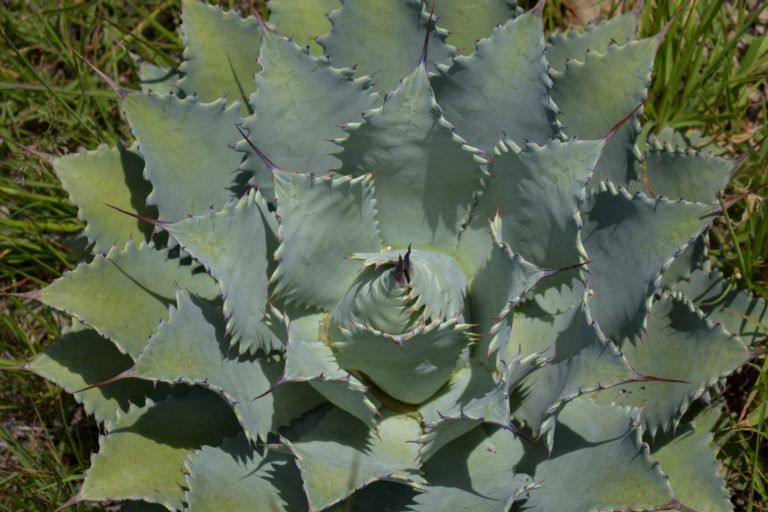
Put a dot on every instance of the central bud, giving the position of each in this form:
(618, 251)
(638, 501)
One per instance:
(402, 322)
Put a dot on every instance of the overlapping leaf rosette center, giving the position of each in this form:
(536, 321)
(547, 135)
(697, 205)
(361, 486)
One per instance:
(446, 291)
(406, 333)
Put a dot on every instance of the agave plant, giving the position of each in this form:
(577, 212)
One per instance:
(398, 270)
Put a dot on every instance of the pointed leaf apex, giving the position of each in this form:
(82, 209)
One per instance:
(42, 156)
(663, 32)
(120, 376)
(270, 165)
(648, 378)
(551, 272)
(538, 9)
(257, 15)
(402, 270)
(727, 204)
(425, 48)
(121, 92)
(608, 136)
(155, 222)
(278, 382)
(35, 295)
(74, 500)
(638, 8)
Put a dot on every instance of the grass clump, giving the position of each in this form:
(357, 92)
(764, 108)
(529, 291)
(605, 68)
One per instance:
(52, 104)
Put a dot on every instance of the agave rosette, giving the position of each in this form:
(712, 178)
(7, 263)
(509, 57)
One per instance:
(458, 285)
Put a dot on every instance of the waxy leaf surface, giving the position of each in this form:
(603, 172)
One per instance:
(323, 221)
(112, 176)
(383, 37)
(302, 21)
(686, 174)
(156, 438)
(360, 456)
(238, 476)
(508, 71)
(80, 357)
(633, 238)
(221, 52)
(575, 43)
(243, 231)
(597, 93)
(306, 98)
(598, 462)
(676, 332)
(424, 175)
(186, 147)
(192, 348)
(475, 473)
(125, 294)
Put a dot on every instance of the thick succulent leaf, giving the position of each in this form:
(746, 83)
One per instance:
(383, 37)
(475, 472)
(739, 311)
(503, 88)
(495, 291)
(630, 240)
(469, 21)
(244, 232)
(580, 359)
(348, 394)
(359, 456)
(688, 459)
(474, 394)
(221, 52)
(425, 176)
(125, 294)
(598, 463)
(302, 21)
(81, 358)
(575, 43)
(418, 362)
(686, 174)
(536, 192)
(307, 324)
(312, 361)
(539, 210)
(142, 456)
(311, 109)
(681, 344)
(111, 176)
(596, 94)
(237, 476)
(186, 146)
(191, 347)
(440, 433)
(323, 221)
(465, 384)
